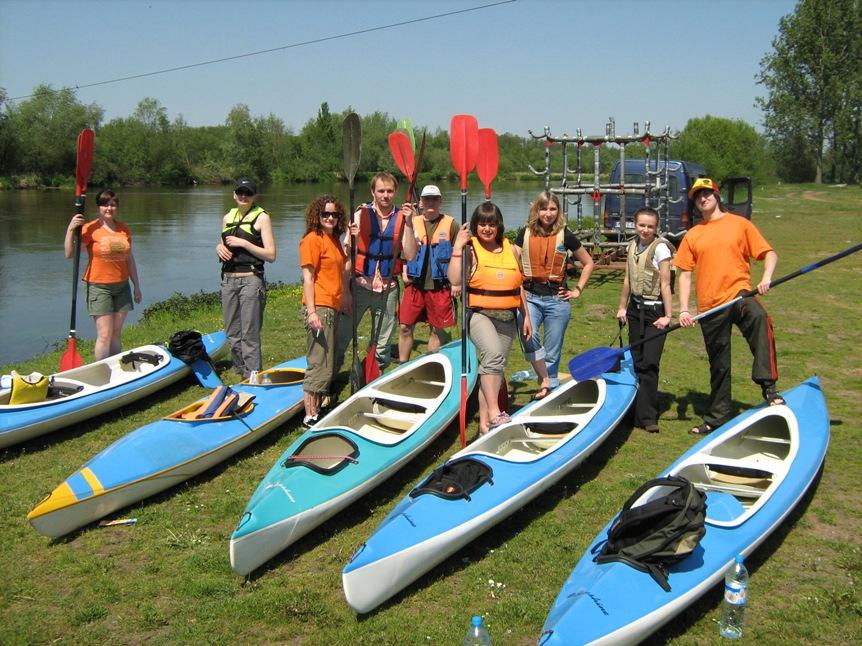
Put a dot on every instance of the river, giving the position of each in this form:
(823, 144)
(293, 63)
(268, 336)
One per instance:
(174, 235)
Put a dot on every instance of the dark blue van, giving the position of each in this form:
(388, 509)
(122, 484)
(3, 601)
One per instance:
(681, 175)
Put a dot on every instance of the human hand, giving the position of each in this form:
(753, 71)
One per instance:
(621, 315)
(662, 322)
(686, 319)
(137, 294)
(223, 252)
(76, 221)
(763, 286)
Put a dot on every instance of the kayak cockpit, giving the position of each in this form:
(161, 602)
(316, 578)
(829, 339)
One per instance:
(747, 465)
(326, 454)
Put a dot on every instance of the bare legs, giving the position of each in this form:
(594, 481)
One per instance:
(109, 327)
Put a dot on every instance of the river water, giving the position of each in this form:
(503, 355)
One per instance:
(174, 233)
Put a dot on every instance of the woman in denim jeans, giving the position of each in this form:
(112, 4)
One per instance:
(546, 246)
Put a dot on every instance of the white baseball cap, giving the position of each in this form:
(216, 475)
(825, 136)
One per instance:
(431, 191)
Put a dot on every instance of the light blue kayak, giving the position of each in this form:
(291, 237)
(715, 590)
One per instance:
(164, 453)
(754, 470)
(481, 485)
(84, 392)
(350, 451)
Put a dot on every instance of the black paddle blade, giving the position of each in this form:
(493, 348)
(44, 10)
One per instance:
(592, 363)
(352, 140)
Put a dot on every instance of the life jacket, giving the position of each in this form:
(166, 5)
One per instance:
(376, 248)
(439, 248)
(541, 261)
(242, 226)
(644, 278)
(496, 281)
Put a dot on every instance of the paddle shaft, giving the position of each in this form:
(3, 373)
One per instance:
(352, 144)
(749, 293)
(76, 266)
(464, 327)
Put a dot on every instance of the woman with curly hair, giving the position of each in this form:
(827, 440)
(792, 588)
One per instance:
(325, 275)
(546, 246)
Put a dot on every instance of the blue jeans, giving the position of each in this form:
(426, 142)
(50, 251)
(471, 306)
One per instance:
(554, 313)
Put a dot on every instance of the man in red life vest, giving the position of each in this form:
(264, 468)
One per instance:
(383, 233)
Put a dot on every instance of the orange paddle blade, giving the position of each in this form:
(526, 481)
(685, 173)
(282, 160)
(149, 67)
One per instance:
(464, 145)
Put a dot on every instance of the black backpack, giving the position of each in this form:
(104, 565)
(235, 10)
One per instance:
(658, 533)
(188, 346)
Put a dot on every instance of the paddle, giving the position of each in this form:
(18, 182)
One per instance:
(407, 126)
(488, 161)
(352, 141)
(402, 153)
(411, 189)
(71, 358)
(592, 363)
(463, 149)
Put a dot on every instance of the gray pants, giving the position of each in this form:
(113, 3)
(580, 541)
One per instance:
(243, 300)
(383, 306)
(319, 357)
(493, 340)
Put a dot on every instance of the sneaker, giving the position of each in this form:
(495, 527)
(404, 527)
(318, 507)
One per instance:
(309, 420)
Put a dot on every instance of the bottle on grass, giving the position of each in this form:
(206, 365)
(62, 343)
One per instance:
(735, 600)
(477, 635)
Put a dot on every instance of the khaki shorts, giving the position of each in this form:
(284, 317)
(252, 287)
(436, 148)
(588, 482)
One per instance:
(108, 298)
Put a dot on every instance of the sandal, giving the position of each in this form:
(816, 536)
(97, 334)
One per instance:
(773, 397)
(701, 430)
(502, 418)
(543, 392)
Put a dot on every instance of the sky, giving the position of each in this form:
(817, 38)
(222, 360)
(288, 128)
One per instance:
(516, 66)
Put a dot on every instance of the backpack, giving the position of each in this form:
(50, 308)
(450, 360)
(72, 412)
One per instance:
(188, 346)
(658, 533)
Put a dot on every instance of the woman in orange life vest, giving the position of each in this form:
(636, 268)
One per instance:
(645, 303)
(494, 295)
(545, 246)
(325, 286)
(109, 246)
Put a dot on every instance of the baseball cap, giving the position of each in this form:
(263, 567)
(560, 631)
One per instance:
(245, 182)
(700, 184)
(431, 191)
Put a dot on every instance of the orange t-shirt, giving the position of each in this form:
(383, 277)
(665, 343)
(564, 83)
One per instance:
(327, 260)
(109, 252)
(720, 252)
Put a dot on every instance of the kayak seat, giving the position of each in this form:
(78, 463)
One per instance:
(394, 415)
(327, 453)
(550, 428)
(456, 479)
(721, 506)
(137, 358)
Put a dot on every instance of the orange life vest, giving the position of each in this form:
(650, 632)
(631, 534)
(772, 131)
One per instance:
(496, 280)
(544, 257)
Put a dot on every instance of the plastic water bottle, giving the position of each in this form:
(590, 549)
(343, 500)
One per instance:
(735, 600)
(477, 635)
(252, 378)
(266, 380)
(522, 375)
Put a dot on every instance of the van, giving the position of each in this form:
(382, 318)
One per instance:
(681, 215)
(681, 175)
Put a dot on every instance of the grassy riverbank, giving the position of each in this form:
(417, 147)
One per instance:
(168, 578)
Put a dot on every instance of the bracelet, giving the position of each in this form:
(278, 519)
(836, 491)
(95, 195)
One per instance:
(578, 287)
(456, 255)
(683, 312)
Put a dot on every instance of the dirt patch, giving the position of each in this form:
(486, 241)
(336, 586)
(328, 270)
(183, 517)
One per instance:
(815, 196)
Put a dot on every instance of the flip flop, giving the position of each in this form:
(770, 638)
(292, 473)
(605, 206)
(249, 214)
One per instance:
(701, 429)
(543, 392)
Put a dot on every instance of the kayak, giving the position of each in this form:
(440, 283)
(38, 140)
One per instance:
(349, 452)
(753, 470)
(84, 392)
(481, 485)
(159, 455)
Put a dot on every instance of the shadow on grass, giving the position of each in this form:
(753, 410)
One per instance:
(693, 405)
(708, 602)
(511, 526)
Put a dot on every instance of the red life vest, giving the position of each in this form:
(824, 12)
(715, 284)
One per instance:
(375, 247)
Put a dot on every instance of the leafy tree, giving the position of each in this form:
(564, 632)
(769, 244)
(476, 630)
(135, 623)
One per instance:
(813, 82)
(7, 137)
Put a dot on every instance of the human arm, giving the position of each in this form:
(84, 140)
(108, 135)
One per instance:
(770, 261)
(666, 296)
(133, 274)
(76, 222)
(587, 266)
(685, 317)
(222, 251)
(527, 327)
(624, 299)
(314, 321)
(409, 244)
(458, 250)
(267, 252)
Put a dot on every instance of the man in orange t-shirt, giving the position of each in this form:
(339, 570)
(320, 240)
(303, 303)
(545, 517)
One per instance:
(720, 250)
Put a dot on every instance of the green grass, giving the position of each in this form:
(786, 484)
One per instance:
(168, 580)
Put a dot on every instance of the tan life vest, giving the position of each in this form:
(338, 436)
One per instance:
(544, 257)
(644, 278)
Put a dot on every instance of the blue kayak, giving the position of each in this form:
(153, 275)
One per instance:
(754, 470)
(350, 451)
(481, 485)
(166, 452)
(84, 392)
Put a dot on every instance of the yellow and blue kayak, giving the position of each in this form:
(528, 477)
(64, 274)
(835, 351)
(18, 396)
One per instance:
(164, 453)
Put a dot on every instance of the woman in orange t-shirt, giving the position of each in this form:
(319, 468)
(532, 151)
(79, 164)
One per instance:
(325, 272)
(109, 247)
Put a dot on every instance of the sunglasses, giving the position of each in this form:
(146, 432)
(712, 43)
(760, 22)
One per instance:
(244, 192)
(327, 215)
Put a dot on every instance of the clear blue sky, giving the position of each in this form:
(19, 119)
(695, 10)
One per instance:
(516, 66)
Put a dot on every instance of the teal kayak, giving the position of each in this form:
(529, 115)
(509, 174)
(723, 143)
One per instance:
(349, 452)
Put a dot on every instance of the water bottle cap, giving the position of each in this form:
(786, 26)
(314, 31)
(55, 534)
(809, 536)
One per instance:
(476, 621)
(739, 559)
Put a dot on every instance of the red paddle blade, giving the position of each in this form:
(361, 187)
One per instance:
(488, 161)
(402, 153)
(464, 145)
(71, 358)
(86, 141)
(370, 365)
